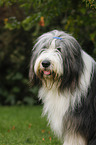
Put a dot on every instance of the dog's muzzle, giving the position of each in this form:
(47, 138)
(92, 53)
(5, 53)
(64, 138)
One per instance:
(46, 65)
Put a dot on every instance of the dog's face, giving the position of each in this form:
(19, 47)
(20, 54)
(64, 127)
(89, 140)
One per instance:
(56, 58)
(49, 63)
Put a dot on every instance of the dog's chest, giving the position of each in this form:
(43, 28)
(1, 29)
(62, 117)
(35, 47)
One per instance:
(55, 106)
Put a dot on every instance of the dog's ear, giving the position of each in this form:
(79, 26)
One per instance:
(32, 76)
(73, 64)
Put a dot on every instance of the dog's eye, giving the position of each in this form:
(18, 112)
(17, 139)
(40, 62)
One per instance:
(59, 49)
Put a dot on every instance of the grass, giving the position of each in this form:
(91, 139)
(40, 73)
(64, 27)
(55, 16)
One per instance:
(24, 126)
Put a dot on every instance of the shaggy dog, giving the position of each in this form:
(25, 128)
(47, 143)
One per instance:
(67, 79)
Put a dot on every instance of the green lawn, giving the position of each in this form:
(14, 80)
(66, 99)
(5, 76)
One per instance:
(24, 126)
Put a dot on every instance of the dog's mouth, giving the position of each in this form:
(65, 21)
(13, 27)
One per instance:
(47, 72)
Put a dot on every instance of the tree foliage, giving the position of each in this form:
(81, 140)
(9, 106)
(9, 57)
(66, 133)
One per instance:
(91, 4)
(21, 22)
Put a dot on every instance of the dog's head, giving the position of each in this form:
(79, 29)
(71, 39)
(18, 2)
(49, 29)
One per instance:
(56, 57)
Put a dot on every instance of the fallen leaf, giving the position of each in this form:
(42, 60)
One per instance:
(13, 127)
(30, 125)
(50, 138)
(43, 139)
(43, 131)
(8, 130)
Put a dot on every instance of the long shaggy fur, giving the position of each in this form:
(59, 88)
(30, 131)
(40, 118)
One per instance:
(66, 76)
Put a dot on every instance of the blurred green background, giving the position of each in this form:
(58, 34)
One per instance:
(21, 22)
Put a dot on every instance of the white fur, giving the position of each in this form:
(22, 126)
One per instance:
(74, 139)
(56, 103)
(84, 80)
(55, 106)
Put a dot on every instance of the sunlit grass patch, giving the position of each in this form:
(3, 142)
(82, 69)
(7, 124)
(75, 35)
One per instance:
(24, 126)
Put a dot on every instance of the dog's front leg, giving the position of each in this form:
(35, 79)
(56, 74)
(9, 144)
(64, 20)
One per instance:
(74, 139)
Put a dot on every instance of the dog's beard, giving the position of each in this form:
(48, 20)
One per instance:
(48, 77)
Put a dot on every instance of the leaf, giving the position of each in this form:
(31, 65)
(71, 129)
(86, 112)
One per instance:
(16, 90)
(17, 76)
(43, 139)
(13, 128)
(42, 23)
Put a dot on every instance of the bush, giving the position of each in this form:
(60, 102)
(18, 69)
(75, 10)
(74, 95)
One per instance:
(21, 23)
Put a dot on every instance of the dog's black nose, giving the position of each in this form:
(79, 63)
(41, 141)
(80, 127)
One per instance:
(45, 63)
